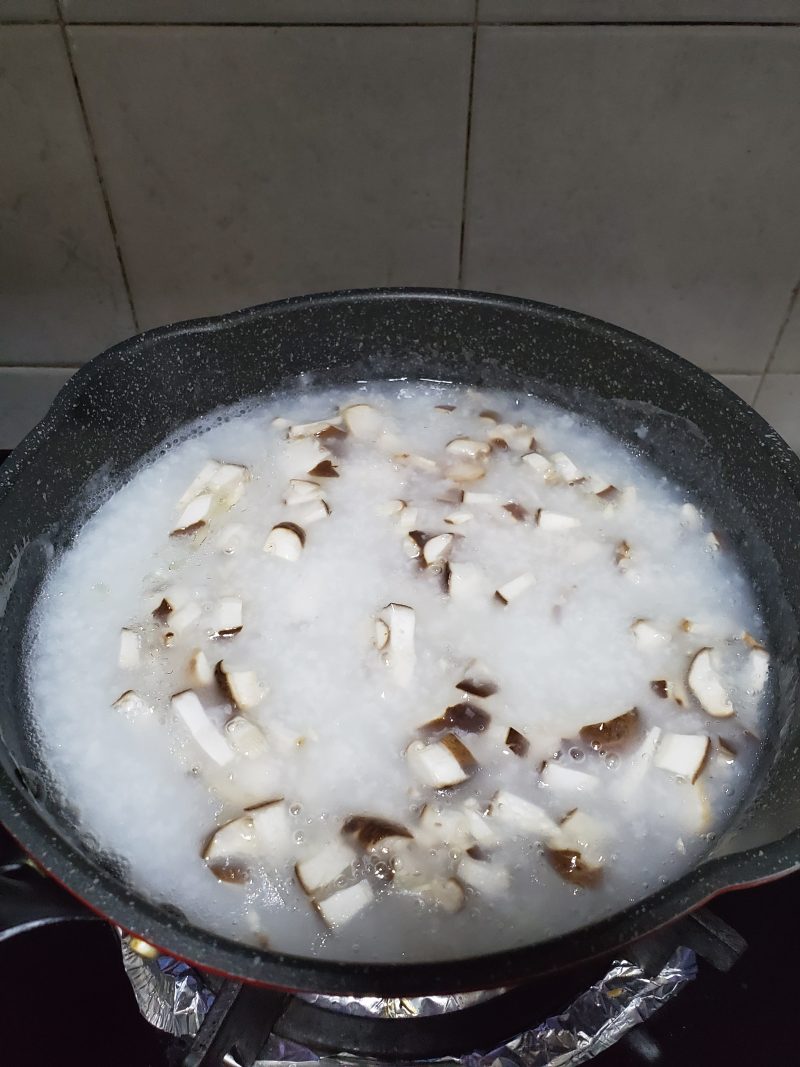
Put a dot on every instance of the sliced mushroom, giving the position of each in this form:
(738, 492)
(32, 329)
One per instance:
(566, 469)
(200, 482)
(240, 686)
(313, 511)
(341, 907)
(478, 681)
(572, 867)
(443, 826)
(228, 616)
(313, 429)
(489, 416)
(273, 829)
(649, 637)
(613, 733)
(200, 670)
(713, 541)
(637, 765)
(519, 437)
(458, 518)
(541, 464)
(391, 507)
(465, 471)
(227, 483)
(302, 491)
(467, 448)
(324, 867)
(752, 642)
(128, 649)
(610, 495)
(554, 520)
(445, 893)
(194, 516)
(230, 849)
(481, 499)
(367, 831)
(437, 549)
(467, 582)
(479, 828)
(324, 469)
(517, 743)
(465, 717)
(411, 459)
(245, 737)
(286, 541)
(183, 618)
(399, 650)
(485, 877)
(683, 754)
(690, 517)
(517, 512)
(566, 779)
(446, 408)
(363, 421)
(381, 639)
(514, 589)
(189, 709)
(622, 553)
(521, 815)
(705, 683)
(132, 705)
(441, 764)
(585, 834)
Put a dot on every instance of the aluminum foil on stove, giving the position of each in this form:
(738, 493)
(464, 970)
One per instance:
(175, 998)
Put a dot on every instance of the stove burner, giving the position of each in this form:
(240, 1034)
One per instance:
(245, 1022)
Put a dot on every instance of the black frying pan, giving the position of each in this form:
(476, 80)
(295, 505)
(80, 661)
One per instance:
(119, 406)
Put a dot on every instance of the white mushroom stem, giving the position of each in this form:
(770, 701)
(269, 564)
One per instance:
(245, 737)
(438, 548)
(323, 868)
(228, 616)
(466, 447)
(181, 619)
(585, 834)
(519, 438)
(649, 637)
(200, 670)
(539, 463)
(458, 518)
(400, 653)
(312, 429)
(200, 482)
(312, 512)
(554, 520)
(190, 711)
(683, 754)
(521, 815)
(341, 907)
(566, 779)
(445, 893)
(285, 541)
(759, 668)
(638, 765)
(235, 840)
(566, 468)
(465, 471)
(705, 683)
(441, 764)
(484, 876)
(128, 649)
(390, 508)
(132, 705)
(273, 829)
(241, 685)
(381, 638)
(363, 421)
(195, 514)
(514, 589)
(302, 491)
(480, 499)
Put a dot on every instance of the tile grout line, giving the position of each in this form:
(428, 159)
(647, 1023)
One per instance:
(96, 160)
(150, 24)
(467, 136)
(778, 338)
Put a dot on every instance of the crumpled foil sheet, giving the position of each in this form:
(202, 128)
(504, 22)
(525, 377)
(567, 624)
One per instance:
(174, 997)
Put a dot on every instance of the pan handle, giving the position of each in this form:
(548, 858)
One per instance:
(28, 899)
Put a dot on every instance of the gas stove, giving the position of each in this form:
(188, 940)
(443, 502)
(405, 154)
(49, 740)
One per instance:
(65, 989)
